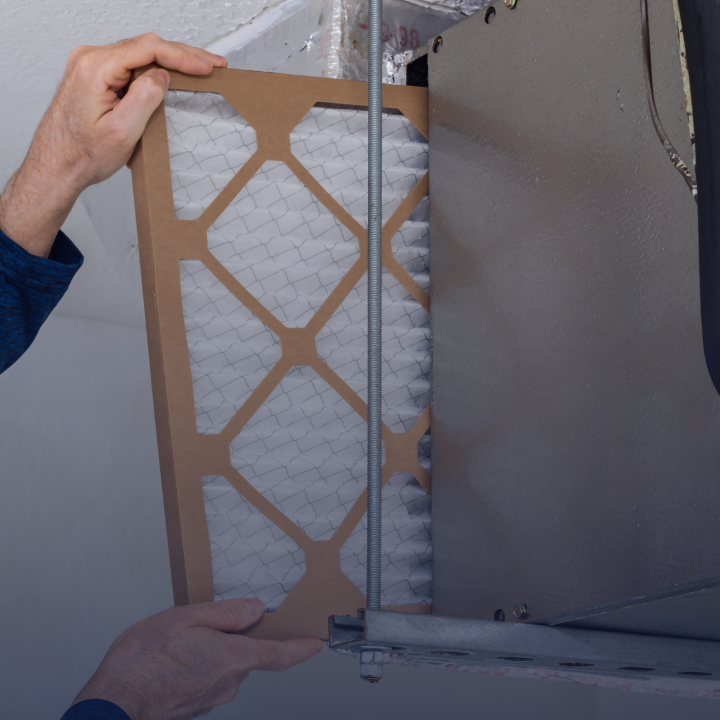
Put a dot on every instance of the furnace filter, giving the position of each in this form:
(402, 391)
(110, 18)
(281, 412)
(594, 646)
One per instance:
(304, 449)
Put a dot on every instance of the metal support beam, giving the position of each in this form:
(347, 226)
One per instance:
(503, 644)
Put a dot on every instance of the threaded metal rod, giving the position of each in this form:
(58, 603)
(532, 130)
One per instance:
(374, 473)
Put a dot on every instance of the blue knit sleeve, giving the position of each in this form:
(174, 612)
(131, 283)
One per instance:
(95, 710)
(30, 287)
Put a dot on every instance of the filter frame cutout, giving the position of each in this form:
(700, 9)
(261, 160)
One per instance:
(273, 105)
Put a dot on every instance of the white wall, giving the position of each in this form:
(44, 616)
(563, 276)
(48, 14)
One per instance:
(82, 538)
(37, 35)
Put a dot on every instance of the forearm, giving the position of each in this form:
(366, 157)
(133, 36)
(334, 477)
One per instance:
(33, 209)
(90, 130)
(39, 196)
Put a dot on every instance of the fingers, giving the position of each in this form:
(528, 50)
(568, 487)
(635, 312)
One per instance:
(149, 48)
(131, 114)
(274, 655)
(224, 615)
(115, 62)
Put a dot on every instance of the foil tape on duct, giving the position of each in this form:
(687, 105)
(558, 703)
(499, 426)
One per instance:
(329, 38)
(284, 257)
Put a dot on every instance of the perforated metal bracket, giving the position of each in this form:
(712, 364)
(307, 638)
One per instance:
(499, 644)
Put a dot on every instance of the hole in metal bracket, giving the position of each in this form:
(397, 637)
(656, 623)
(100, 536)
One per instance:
(694, 673)
(516, 659)
(451, 653)
(637, 669)
(489, 14)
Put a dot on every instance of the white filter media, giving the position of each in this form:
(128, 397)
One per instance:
(342, 344)
(251, 556)
(230, 350)
(209, 142)
(283, 245)
(304, 449)
(333, 145)
(406, 544)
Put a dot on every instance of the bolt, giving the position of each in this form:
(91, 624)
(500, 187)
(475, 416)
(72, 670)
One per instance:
(371, 665)
(520, 611)
(510, 3)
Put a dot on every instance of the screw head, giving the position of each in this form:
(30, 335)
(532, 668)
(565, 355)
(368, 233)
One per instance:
(520, 611)
(510, 3)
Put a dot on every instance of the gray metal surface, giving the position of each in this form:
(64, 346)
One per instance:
(371, 663)
(576, 431)
(374, 399)
(502, 644)
(692, 615)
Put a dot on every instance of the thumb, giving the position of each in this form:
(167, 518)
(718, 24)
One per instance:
(224, 615)
(274, 655)
(142, 98)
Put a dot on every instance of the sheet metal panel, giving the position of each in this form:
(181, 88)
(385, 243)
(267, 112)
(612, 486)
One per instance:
(576, 431)
(692, 615)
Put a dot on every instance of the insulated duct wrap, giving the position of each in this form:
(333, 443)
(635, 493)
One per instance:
(329, 38)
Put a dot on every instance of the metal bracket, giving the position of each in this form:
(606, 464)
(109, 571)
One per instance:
(347, 631)
(488, 643)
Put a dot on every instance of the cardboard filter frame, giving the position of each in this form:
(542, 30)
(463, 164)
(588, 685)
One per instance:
(273, 105)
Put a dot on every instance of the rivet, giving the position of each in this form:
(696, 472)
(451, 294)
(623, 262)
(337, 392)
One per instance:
(520, 611)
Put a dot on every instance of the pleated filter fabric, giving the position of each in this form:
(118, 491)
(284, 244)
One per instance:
(304, 449)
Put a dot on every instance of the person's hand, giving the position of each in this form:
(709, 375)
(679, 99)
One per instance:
(183, 662)
(90, 130)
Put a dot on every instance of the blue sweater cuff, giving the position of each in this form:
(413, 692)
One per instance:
(95, 710)
(30, 287)
(55, 271)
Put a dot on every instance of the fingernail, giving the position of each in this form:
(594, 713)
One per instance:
(254, 606)
(163, 75)
(221, 58)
